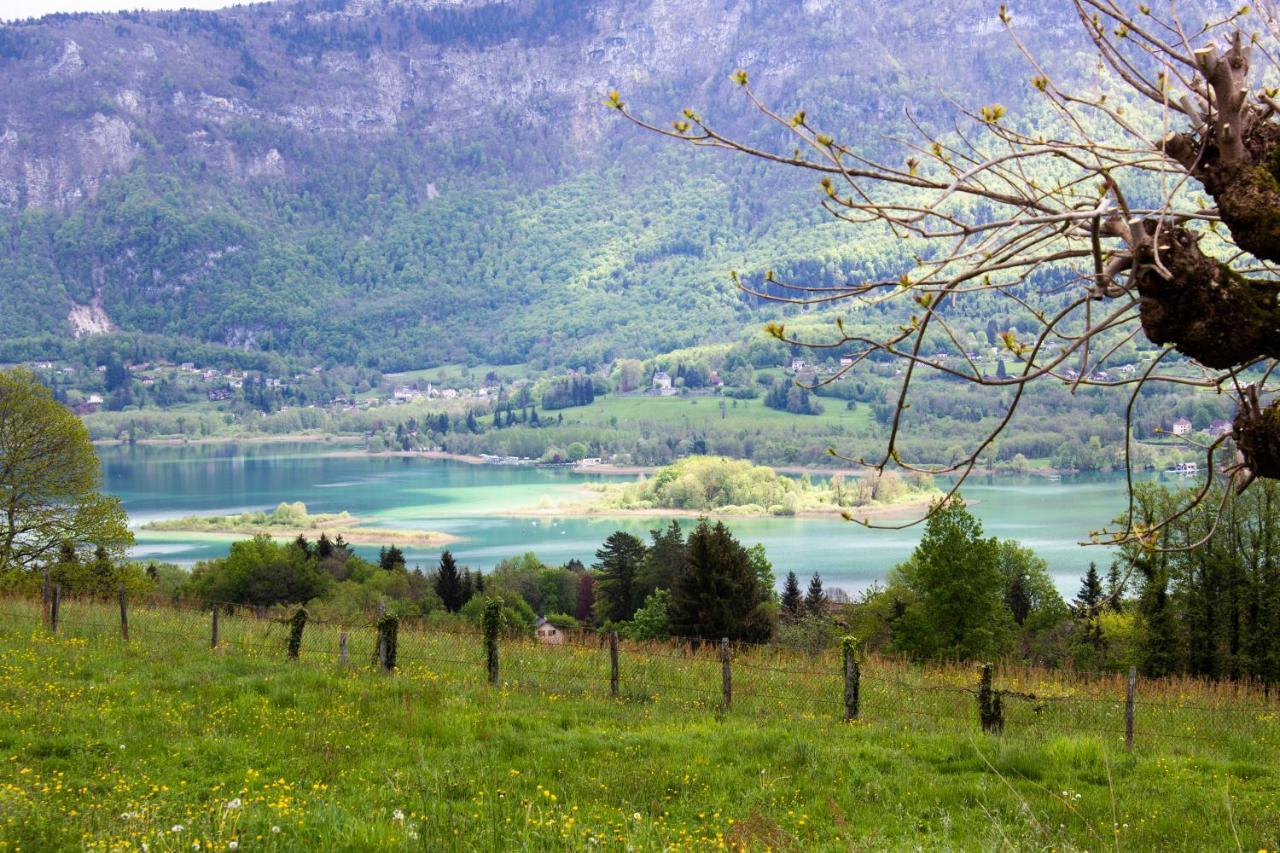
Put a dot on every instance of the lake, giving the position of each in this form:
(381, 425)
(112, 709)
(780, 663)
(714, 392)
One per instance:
(155, 482)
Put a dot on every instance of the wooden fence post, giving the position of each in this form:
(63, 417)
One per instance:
(296, 626)
(380, 654)
(1130, 696)
(852, 679)
(613, 664)
(55, 610)
(342, 648)
(213, 638)
(492, 624)
(726, 677)
(990, 710)
(46, 596)
(124, 614)
(388, 632)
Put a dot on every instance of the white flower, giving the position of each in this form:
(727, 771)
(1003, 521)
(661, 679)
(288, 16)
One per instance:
(636, 816)
(234, 804)
(195, 845)
(233, 845)
(275, 829)
(177, 827)
(398, 815)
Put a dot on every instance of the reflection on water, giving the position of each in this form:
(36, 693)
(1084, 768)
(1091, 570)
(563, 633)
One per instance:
(1052, 517)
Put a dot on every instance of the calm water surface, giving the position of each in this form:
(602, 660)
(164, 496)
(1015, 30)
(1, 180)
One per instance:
(467, 501)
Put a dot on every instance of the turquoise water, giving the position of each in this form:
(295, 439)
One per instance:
(467, 501)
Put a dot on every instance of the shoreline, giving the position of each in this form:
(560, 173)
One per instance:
(353, 536)
(607, 468)
(856, 514)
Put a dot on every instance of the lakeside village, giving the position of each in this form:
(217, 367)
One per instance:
(130, 400)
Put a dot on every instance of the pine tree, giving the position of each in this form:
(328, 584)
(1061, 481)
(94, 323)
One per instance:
(448, 583)
(324, 547)
(792, 601)
(390, 559)
(718, 593)
(664, 561)
(1089, 599)
(617, 564)
(815, 600)
(1115, 588)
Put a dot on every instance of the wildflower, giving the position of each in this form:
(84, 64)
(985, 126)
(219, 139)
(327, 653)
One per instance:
(177, 827)
(234, 804)
(233, 845)
(275, 829)
(398, 815)
(636, 816)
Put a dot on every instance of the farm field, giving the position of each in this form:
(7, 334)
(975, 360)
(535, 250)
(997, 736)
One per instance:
(107, 744)
(629, 411)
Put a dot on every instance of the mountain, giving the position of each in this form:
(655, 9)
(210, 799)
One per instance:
(400, 184)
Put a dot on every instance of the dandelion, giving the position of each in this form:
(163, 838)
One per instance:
(234, 804)
(233, 845)
(636, 816)
(275, 829)
(177, 827)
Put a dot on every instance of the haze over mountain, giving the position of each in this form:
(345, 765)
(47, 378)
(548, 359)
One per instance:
(403, 183)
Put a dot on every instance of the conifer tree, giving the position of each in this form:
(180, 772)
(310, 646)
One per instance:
(815, 600)
(792, 600)
(1089, 599)
(718, 593)
(617, 566)
(448, 583)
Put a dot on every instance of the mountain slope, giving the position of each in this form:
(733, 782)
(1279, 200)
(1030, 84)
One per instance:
(405, 183)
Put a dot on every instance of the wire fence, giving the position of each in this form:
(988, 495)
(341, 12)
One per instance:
(738, 678)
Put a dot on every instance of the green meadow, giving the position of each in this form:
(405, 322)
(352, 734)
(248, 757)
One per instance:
(163, 743)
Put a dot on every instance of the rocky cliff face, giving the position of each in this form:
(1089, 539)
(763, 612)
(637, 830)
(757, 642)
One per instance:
(92, 96)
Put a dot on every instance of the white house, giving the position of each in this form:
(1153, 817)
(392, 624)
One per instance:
(1182, 426)
(547, 633)
(661, 380)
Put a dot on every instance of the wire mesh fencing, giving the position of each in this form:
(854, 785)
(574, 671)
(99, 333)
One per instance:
(719, 677)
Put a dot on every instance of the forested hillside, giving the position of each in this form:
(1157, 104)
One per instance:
(402, 184)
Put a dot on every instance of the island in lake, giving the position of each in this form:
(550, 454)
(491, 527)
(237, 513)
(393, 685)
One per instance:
(735, 488)
(290, 520)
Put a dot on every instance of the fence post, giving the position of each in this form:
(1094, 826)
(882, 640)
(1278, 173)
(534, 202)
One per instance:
(380, 654)
(990, 712)
(726, 677)
(54, 611)
(342, 648)
(852, 679)
(1130, 695)
(213, 638)
(492, 622)
(46, 596)
(296, 625)
(388, 631)
(613, 664)
(124, 614)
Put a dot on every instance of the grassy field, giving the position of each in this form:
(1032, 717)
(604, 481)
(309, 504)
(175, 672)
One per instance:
(160, 741)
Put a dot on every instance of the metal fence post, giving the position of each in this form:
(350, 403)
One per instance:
(726, 677)
(124, 614)
(1130, 696)
(613, 664)
(852, 679)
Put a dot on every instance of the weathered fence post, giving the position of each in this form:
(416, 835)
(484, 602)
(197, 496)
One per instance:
(852, 679)
(613, 664)
(342, 648)
(388, 632)
(46, 596)
(1130, 696)
(124, 614)
(380, 654)
(492, 623)
(726, 676)
(213, 637)
(990, 710)
(55, 609)
(297, 623)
